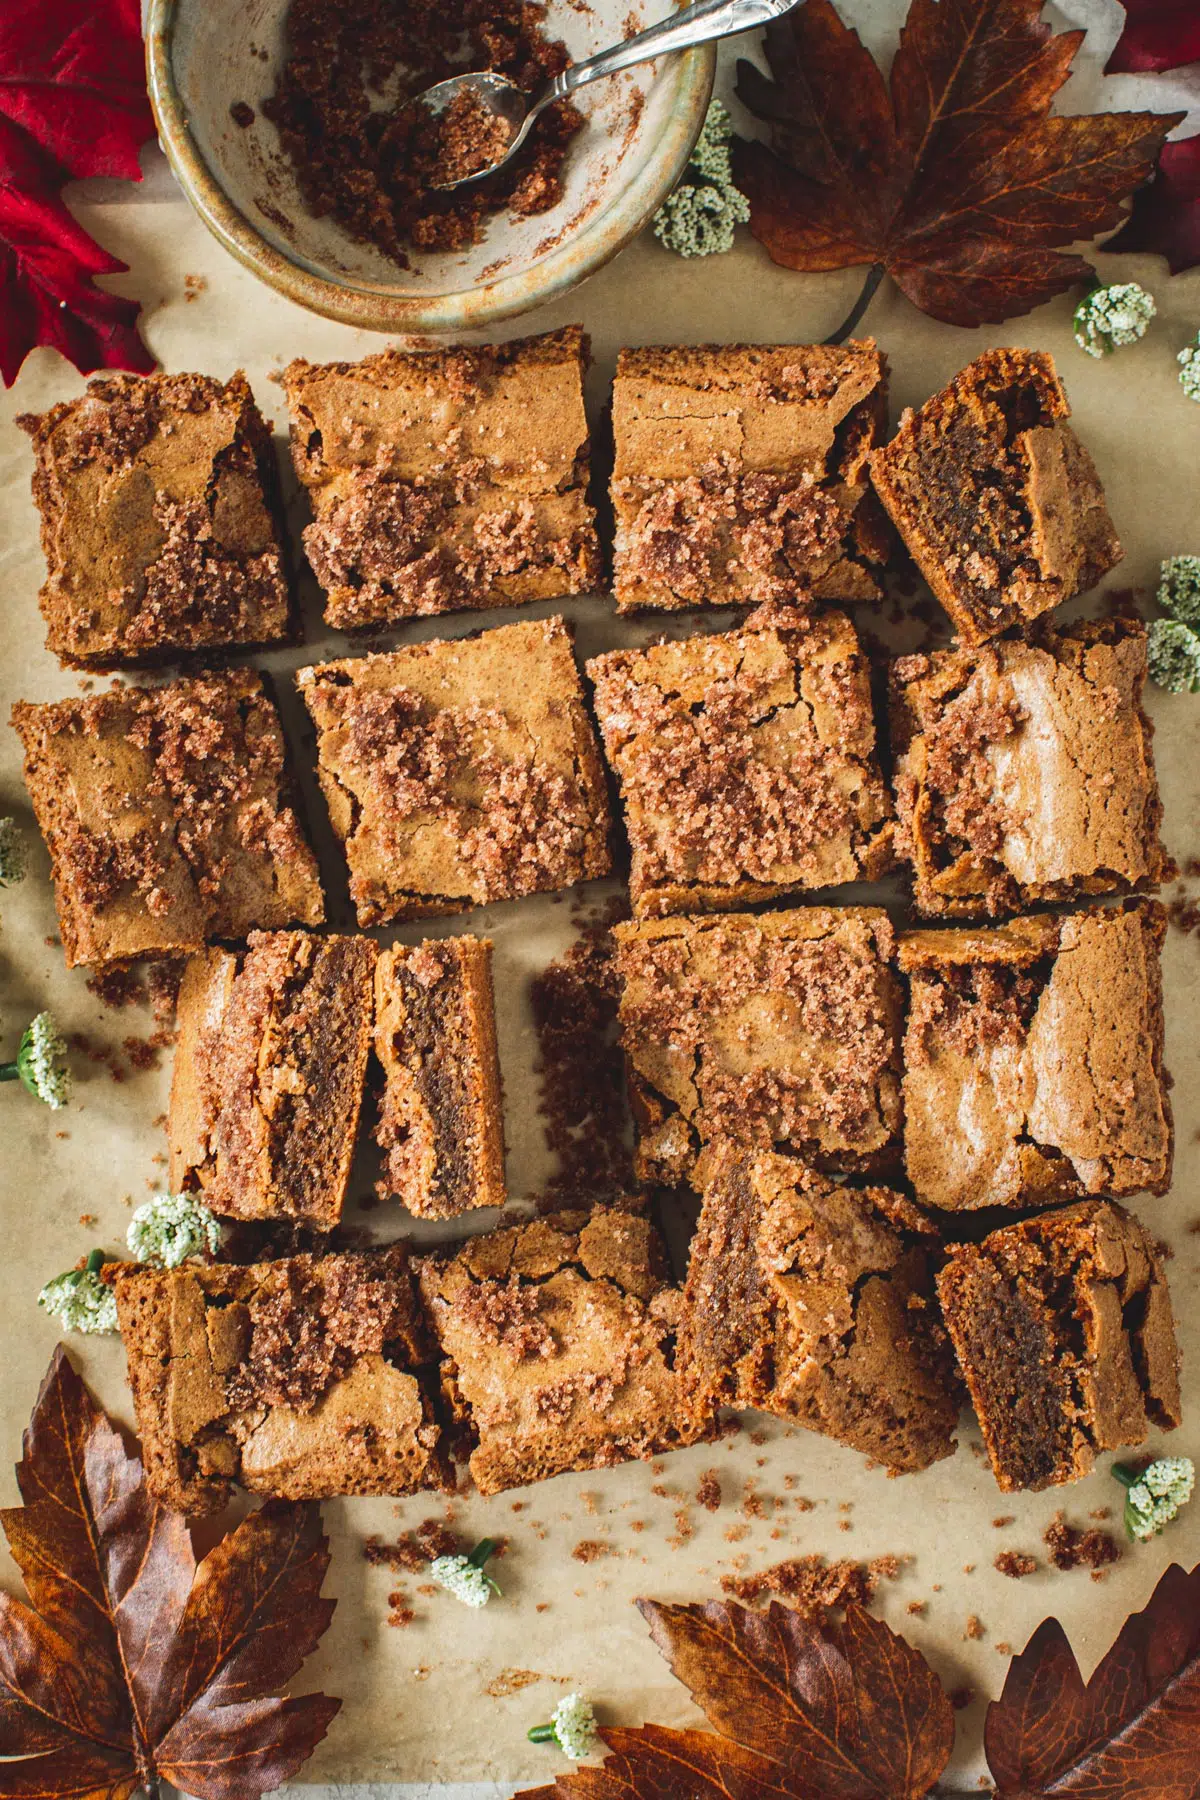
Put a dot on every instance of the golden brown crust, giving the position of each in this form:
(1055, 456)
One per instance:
(1033, 1066)
(746, 761)
(446, 479)
(815, 1301)
(460, 771)
(269, 1071)
(441, 1121)
(779, 1031)
(301, 1379)
(1025, 771)
(998, 502)
(161, 521)
(740, 474)
(170, 817)
(1063, 1329)
(558, 1344)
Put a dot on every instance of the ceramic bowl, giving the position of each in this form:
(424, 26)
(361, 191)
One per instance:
(205, 56)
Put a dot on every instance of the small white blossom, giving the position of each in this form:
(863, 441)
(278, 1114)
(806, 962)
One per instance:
(1189, 370)
(698, 219)
(81, 1301)
(459, 1576)
(40, 1062)
(1179, 588)
(1110, 317)
(574, 1725)
(1158, 1494)
(172, 1228)
(1173, 656)
(12, 854)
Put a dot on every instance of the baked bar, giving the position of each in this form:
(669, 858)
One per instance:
(558, 1341)
(161, 520)
(746, 762)
(997, 500)
(446, 479)
(301, 1378)
(741, 474)
(1033, 1060)
(441, 1119)
(460, 771)
(815, 1300)
(169, 815)
(270, 1062)
(778, 1032)
(1024, 771)
(1063, 1329)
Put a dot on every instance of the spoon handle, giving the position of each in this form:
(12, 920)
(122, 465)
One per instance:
(697, 24)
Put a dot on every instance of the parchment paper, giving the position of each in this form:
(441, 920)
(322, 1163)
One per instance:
(417, 1705)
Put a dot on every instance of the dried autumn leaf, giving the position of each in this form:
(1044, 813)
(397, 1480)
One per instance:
(822, 1712)
(953, 177)
(1131, 1732)
(1166, 215)
(131, 1664)
(73, 103)
(1157, 35)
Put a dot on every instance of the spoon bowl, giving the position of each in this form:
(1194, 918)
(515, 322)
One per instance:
(495, 94)
(485, 92)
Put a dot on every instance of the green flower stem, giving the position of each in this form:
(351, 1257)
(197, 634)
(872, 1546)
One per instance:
(1125, 1475)
(95, 1262)
(484, 1548)
(9, 1071)
(542, 1734)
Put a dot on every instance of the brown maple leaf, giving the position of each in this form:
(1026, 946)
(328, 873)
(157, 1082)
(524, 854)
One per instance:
(132, 1665)
(1130, 1733)
(952, 177)
(823, 1711)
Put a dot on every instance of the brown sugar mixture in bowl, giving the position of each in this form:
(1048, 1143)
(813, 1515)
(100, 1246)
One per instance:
(367, 157)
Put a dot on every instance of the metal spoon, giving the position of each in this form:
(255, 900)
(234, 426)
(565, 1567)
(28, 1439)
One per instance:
(698, 24)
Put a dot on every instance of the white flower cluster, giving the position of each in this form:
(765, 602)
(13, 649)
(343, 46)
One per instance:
(574, 1725)
(172, 1228)
(460, 1577)
(12, 854)
(1110, 317)
(1158, 1494)
(1189, 369)
(698, 219)
(40, 1062)
(81, 1301)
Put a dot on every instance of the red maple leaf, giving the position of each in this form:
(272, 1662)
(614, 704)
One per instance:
(73, 103)
(1158, 34)
(1166, 215)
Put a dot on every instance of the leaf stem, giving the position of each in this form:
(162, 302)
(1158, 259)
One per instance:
(1125, 1475)
(875, 275)
(483, 1549)
(542, 1734)
(9, 1072)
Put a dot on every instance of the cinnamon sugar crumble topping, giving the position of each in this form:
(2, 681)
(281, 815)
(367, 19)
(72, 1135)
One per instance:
(528, 824)
(686, 530)
(312, 1325)
(749, 759)
(814, 1075)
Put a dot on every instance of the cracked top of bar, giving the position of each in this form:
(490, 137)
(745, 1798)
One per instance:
(741, 474)
(460, 771)
(169, 816)
(446, 479)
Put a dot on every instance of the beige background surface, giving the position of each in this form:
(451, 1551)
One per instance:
(417, 1706)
